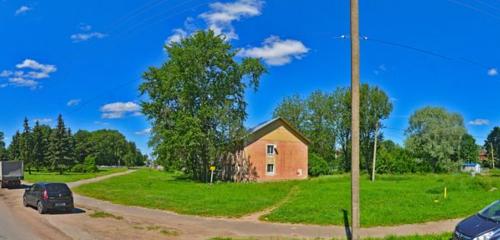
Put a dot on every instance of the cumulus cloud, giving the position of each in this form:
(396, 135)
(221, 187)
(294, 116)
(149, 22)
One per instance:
(479, 122)
(221, 15)
(492, 72)
(28, 74)
(178, 35)
(276, 52)
(23, 9)
(120, 109)
(81, 37)
(73, 102)
(146, 131)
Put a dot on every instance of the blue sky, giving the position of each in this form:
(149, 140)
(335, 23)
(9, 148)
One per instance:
(84, 59)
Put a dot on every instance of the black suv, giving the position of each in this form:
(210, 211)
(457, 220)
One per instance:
(483, 226)
(49, 196)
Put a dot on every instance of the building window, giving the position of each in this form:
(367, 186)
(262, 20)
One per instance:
(270, 169)
(271, 149)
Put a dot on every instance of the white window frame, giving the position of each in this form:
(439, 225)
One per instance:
(274, 169)
(274, 150)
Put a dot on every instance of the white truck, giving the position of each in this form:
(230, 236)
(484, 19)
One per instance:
(11, 173)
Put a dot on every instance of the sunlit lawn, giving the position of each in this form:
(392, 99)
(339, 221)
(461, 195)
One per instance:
(45, 176)
(391, 200)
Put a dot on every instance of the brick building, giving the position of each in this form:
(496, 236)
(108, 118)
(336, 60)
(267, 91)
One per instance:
(277, 151)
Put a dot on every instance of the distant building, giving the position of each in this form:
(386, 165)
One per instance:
(483, 155)
(277, 151)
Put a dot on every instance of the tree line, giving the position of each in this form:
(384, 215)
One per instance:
(436, 139)
(58, 149)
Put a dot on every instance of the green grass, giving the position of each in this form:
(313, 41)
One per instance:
(444, 236)
(391, 200)
(44, 176)
(153, 189)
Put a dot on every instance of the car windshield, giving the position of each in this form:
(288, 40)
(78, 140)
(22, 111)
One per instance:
(492, 211)
(57, 188)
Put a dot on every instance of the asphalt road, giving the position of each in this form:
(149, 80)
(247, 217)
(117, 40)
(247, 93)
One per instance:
(11, 226)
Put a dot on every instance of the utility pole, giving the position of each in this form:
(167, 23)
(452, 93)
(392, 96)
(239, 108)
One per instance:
(355, 119)
(374, 163)
(492, 156)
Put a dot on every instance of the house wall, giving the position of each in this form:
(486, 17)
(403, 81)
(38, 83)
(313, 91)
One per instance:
(290, 161)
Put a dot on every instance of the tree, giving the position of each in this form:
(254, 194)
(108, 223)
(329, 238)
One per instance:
(60, 147)
(41, 134)
(196, 102)
(469, 150)
(294, 110)
(492, 143)
(434, 136)
(15, 147)
(3, 151)
(394, 159)
(26, 146)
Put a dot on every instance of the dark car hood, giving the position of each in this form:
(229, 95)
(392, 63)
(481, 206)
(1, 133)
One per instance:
(476, 225)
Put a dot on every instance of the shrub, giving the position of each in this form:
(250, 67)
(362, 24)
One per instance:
(317, 166)
(90, 164)
(79, 168)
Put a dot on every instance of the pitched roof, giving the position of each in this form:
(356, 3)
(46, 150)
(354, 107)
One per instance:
(265, 126)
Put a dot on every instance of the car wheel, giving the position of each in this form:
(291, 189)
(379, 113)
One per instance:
(25, 204)
(40, 208)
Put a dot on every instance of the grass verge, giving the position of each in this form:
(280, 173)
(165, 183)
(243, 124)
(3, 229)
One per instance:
(45, 176)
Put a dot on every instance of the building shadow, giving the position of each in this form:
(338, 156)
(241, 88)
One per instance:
(347, 227)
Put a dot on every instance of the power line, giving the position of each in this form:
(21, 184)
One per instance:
(471, 7)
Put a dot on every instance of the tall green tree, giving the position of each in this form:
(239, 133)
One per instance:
(492, 143)
(41, 134)
(434, 138)
(294, 110)
(26, 150)
(3, 151)
(196, 102)
(14, 149)
(469, 150)
(59, 147)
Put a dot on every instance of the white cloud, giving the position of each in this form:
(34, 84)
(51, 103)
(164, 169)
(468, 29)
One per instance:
(32, 64)
(178, 35)
(85, 27)
(43, 120)
(73, 102)
(80, 37)
(4, 85)
(222, 15)
(120, 109)
(146, 131)
(29, 78)
(277, 52)
(479, 122)
(22, 10)
(492, 72)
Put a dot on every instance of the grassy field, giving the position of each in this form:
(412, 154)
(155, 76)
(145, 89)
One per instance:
(444, 236)
(391, 200)
(159, 190)
(44, 176)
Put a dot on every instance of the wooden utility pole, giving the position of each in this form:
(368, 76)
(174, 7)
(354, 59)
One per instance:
(492, 156)
(374, 163)
(355, 119)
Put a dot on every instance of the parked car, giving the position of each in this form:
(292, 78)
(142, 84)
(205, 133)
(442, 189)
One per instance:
(483, 226)
(49, 196)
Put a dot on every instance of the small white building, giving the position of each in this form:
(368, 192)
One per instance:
(471, 167)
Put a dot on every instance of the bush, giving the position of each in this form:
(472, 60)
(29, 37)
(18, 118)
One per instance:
(90, 164)
(79, 168)
(317, 166)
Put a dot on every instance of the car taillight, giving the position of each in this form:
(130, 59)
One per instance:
(45, 195)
